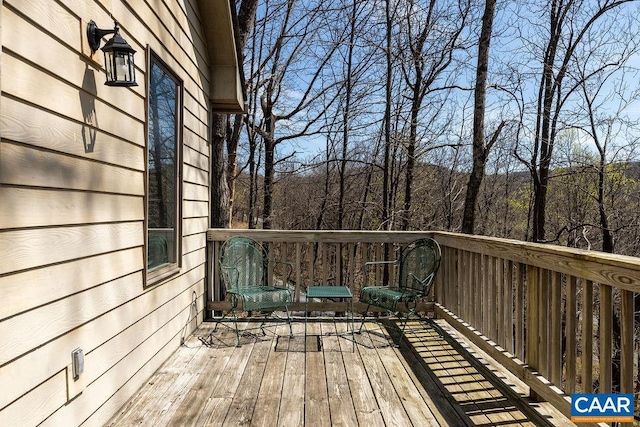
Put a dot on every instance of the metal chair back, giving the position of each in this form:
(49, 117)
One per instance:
(242, 264)
(419, 263)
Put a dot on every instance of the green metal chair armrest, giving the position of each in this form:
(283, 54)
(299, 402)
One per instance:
(289, 266)
(372, 264)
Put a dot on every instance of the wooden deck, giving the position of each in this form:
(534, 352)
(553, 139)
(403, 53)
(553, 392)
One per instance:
(274, 381)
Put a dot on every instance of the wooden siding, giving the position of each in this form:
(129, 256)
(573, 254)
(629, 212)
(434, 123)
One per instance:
(72, 207)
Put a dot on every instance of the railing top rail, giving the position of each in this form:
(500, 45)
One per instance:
(344, 236)
(611, 269)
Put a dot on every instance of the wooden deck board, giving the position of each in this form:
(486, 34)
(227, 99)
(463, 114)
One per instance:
(339, 392)
(427, 381)
(292, 396)
(389, 402)
(466, 378)
(366, 409)
(411, 397)
(166, 386)
(222, 373)
(244, 401)
(316, 391)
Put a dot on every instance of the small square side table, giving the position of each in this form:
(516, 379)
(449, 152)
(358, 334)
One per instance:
(330, 292)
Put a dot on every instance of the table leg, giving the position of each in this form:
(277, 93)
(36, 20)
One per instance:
(353, 337)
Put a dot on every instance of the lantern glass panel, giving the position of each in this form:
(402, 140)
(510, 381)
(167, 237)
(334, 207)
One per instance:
(108, 65)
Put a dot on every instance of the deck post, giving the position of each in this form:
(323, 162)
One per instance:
(626, 343)
(212, 277)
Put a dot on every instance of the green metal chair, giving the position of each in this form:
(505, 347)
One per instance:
(417, 267)
(243, 268)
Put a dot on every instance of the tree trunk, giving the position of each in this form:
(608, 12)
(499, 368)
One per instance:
(253, 182)
(246, 18)
(385, 218)
(232, 161)
(269, 160)
(480, 151)
(219, 190)
(346, 113)
(269, 169)
(411, 153)
(607, 235)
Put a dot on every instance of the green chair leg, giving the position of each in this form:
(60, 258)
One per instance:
(364, 315)
(289, 322)
(235, 322)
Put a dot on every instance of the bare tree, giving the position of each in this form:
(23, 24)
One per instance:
(385, 218)
(289, 51)
(220, 215)
(223, 131)
(572, 23)
(605, 129)
(246, 19)
(480, 148)
(433, 33)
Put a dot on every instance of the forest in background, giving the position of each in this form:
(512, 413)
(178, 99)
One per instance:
(503, 205)
(515, 119)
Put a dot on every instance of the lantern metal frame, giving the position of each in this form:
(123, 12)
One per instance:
(118, 55)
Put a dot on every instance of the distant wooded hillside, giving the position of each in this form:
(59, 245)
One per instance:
(309, 201)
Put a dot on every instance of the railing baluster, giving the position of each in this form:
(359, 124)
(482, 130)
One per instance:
(468, 284)
(298, 271)
(626, 341)
(543, 316)
(493, 312)
(555, 341)
(500, 302)
(378, 256)
(477, 300)
(323, 256)
(351, 279)
(364, 255)
(459, 277)
(455, 272)
(444, 283)
(215, 272)
(338, 247)
(587, 336)
(532, 356)
(469, 279)
(486, 296)
(508, 303)
(571, 332)
(606, 327)
(519, 311)
(311, 268)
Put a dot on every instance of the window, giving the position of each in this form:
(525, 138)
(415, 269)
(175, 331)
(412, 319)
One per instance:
(163, 162)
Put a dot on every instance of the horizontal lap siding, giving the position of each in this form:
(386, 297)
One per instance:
(72, 182)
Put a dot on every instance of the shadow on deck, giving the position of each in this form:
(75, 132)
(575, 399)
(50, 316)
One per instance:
(433, 378)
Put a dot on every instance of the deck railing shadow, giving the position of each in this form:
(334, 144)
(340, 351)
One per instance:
(476, 391)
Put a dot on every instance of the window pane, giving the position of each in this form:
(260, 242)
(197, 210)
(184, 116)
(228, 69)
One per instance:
(163, 168)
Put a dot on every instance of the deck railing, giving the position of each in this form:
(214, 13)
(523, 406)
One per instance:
(560, 319)
(317, 258)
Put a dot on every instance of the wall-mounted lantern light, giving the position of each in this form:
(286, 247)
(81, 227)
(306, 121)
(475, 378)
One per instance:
(118, 55)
